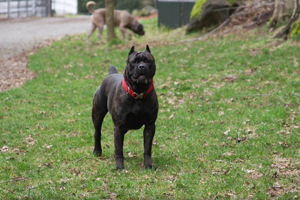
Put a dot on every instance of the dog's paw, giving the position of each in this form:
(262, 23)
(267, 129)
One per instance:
(152, 166)
(97, 153)
(118, 167)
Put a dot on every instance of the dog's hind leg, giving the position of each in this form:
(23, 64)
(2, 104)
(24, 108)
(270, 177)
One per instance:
(92, 29)
(100, 28)
(98, 113)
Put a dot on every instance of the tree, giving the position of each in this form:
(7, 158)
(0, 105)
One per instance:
(282, 12)
(109, 15)
(293, 23)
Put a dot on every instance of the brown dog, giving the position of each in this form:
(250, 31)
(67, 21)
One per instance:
(122, 19)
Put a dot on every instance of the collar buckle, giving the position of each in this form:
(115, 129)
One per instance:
(139, 96)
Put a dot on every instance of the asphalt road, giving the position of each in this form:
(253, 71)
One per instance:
(22, 34)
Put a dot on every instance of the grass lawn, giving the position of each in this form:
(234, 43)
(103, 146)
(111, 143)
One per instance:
(228, 124)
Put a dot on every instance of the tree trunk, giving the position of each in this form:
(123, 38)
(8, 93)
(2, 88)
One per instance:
(109, 15)
(282, 12)
(287, 29)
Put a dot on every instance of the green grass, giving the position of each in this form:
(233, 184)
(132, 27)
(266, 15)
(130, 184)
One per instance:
(228, 125)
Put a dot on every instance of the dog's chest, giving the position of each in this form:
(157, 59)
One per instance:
(137, 116)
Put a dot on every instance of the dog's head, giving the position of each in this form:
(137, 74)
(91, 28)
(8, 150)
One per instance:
(138, 28)
(140, 69)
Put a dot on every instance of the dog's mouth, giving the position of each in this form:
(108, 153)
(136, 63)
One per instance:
(142, 79)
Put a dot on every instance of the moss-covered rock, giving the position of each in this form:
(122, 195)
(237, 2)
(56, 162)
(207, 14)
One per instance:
(207, 13)
(197, 9)
(295, 30)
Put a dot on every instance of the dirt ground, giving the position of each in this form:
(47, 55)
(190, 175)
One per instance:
(23, 36)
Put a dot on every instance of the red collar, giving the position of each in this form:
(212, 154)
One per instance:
(135, 95)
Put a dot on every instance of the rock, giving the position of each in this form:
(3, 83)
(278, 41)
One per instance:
(146, 11)
(295, 29)
(214, 12)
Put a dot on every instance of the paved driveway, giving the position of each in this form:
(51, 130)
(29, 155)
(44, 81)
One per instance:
(17, 35)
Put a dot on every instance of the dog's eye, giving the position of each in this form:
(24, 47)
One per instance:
(135, 61)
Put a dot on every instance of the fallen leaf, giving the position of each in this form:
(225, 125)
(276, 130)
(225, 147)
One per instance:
(4, 149)
(47, 146)
(229, 153)
(226, 132)
(221, 113)
(172, 116)
(230, 78)
(164, 86)
(113, 195)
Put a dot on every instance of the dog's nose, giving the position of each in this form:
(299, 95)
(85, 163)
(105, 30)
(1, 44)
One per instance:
(142, 66)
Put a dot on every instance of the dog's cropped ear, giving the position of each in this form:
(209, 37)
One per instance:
(131, 50)
(148, 49)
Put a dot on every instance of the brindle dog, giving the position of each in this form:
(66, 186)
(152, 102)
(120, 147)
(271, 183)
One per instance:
(132, 102)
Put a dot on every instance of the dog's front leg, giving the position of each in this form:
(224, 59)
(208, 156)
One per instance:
(100, 29)
(124, 31)
(118, 141)
(149, 132)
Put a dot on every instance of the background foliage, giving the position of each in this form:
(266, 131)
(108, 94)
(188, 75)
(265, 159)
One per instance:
(128, 5)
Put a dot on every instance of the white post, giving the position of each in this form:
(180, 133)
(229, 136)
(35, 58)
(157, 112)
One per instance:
(33, 7)
(8, 8)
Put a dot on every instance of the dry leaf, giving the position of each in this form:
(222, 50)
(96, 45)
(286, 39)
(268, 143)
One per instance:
(221, 113)
(230, 78)
(47, 146)
(4, 149)
(172, 116)
(229, 153)
(176, 83)
(130, 155)
(164, 86)
(226, 132)
(30, 140)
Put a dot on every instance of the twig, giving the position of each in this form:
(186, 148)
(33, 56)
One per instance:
(18, 179)
(79, 159)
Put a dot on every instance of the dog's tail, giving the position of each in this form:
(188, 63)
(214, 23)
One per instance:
(112, 70)
(88, 6)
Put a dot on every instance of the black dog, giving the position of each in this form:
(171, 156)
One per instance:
(132, 102)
